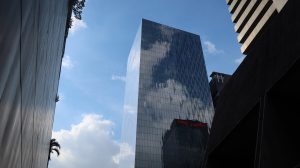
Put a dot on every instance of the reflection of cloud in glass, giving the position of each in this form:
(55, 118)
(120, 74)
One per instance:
(166, 80)
(164, 47)
(133, 63)
(129, 125)
(129, 109)
(125, 155)
(174, 95)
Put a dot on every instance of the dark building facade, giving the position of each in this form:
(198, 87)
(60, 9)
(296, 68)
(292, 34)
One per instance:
(255, 122)
(166, 80)
(216, 84)
(32, 39)
(184, 143)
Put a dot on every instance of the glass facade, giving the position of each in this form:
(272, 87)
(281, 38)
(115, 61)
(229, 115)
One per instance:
(184, 144)
(166, 82)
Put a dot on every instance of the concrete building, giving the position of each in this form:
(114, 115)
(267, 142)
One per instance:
(216, 84)
(32, 40)
(251, 17)
(166, 80)
(255, 122)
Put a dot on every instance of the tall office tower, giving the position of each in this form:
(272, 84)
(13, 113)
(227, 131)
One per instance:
(32, 39)
(255, 123)
(166, 80)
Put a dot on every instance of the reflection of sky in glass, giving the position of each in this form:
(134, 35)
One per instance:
(131, 104)
(170, 82)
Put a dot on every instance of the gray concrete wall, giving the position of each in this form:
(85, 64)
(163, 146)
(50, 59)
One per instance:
(32, 37)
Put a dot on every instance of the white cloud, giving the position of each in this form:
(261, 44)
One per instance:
(89, 144)
(117, 77)
(211, 48)
(77, 25)
(67, 63)
(239, 60)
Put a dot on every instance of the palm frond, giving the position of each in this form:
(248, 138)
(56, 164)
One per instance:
(56, 150)
(55, 144)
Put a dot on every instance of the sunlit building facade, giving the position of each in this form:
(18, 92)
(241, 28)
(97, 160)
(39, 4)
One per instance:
(166, 82)
(32, 39)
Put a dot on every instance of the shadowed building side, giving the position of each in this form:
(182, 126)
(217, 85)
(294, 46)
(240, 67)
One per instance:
(32, 40)
(216, 84)
(255, 124)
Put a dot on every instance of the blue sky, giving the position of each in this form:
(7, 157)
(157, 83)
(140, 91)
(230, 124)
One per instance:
(94, 65)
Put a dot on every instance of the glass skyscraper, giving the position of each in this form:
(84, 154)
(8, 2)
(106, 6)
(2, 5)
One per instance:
(168, 105)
